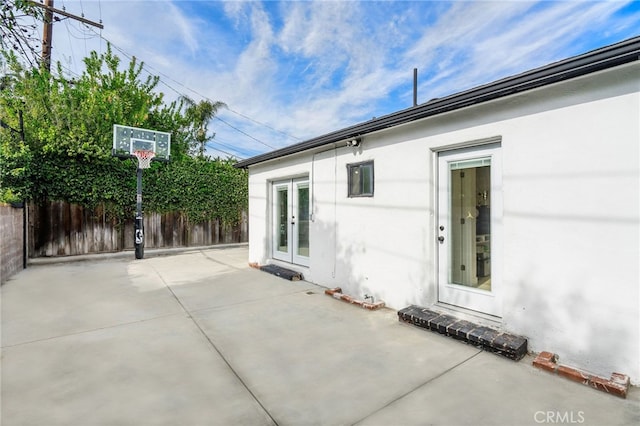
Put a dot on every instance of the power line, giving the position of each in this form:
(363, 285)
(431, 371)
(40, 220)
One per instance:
(149, 67)
(130, 57)
(47, 31)
(155, 71)
(245, 151)
(244, 133)
(210, 100)
(265, 125)
(208, 144)
(240, 152)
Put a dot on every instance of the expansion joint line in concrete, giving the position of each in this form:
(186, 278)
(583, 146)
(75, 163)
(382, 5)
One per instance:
(215, 348)
(249, 301)
(202, 252)
(421, 385)
(91, 330)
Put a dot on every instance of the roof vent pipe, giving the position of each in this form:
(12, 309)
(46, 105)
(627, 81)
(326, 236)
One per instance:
(415, 86)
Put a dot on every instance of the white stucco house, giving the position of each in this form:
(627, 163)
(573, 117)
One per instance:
(516, 204)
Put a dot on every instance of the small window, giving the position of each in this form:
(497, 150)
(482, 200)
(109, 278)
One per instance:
(360, 179)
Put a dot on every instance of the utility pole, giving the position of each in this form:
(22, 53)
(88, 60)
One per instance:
(47, 35)
(47, 31)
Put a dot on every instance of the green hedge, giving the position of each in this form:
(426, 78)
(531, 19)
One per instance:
(56, 136)
(199, 188)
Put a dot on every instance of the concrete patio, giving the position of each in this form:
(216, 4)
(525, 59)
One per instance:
(197, 337)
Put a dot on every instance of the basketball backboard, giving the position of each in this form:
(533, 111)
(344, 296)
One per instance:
(127, 140)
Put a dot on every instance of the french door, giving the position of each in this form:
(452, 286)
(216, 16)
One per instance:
(290, 237)
(470, 228)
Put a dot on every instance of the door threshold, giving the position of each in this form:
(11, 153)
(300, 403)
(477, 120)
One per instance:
(467, 314)
(289, 265)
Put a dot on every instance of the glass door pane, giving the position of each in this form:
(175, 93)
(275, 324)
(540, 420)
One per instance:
(470, 248)
(282, 219)
(302, 221)
(483, 228)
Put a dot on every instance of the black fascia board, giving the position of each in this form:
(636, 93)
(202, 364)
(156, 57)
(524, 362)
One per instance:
(597, 60)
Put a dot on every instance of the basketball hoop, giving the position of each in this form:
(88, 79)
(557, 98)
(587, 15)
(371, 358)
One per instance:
(144, 158)
(145, 145)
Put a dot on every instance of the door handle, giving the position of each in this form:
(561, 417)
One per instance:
(441, 239)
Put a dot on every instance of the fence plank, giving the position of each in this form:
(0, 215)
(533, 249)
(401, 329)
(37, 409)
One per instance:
(11, 243)
(62, 229)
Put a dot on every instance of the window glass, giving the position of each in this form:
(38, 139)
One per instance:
(361, 179)
(367, 178)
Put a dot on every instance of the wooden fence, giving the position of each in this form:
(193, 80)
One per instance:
(11, 241)
(63, 229)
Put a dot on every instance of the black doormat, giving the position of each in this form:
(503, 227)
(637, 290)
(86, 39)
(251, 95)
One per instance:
(508, 345)
(281, 272)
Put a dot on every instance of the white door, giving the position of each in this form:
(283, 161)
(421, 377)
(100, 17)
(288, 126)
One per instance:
(470, 228)
(290, 239)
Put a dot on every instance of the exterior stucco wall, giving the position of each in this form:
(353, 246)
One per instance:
(571, 198)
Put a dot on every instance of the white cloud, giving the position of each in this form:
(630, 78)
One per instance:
(496, 40)
(187, 27)
(464, 45)
(307, 68)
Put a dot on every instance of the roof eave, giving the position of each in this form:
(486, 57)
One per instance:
(587, 63)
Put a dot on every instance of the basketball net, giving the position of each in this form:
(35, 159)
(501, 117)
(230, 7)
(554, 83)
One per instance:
(144, 158)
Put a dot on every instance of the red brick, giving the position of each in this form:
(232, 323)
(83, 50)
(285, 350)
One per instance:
(337, 294)
(546, 361)
(547, 356)
(332, 291)
(346, 298)
(573, 374)
(617, 385)
(373, 306)
(620, 379)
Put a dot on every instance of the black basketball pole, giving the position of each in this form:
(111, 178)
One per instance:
(139, 223)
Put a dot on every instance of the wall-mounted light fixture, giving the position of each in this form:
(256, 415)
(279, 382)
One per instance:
(354, 142)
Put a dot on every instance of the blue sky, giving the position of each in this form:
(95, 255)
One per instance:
(293, 70)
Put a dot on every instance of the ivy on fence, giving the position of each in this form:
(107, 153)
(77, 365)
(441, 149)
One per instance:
(199, 188)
